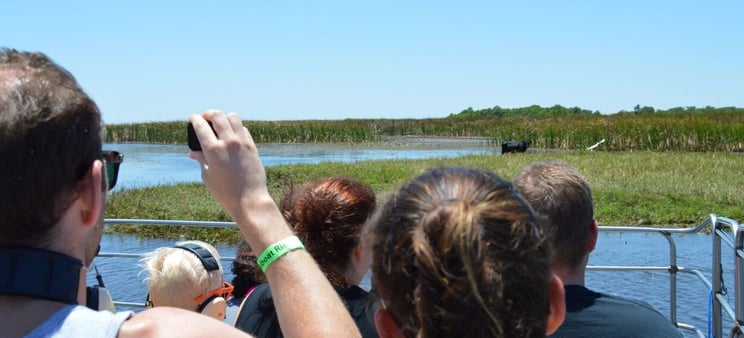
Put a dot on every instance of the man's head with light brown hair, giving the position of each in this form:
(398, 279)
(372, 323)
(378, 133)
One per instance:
(559, 193)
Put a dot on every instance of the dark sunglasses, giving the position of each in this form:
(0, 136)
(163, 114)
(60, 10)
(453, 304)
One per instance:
(112, 159)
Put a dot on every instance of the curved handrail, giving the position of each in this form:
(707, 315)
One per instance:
(720, 227)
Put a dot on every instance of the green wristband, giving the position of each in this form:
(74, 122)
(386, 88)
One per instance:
(278, 249)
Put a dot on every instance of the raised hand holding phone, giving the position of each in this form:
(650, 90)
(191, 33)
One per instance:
(193, 140)
(231, 167)
(233, 173)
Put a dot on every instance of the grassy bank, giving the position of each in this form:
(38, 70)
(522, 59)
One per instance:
(630, 188)
(716, 131)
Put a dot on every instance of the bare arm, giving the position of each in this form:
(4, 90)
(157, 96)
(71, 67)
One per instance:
(306, 304)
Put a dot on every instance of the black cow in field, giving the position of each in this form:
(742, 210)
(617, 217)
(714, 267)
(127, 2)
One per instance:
(514, 146)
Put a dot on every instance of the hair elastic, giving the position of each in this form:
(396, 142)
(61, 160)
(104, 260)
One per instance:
(278, 249)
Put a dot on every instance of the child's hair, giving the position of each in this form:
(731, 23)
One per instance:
(176, 276)
(458, 253)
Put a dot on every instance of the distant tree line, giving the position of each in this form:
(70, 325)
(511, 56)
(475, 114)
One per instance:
(531, 111)
(646, 110)
(536, 111)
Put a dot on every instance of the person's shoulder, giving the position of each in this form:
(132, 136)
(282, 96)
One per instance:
(362, 307)
(262, 294)
(359, 302)
(259, 300)
(354, 292)
(233, 306)
(172, 322)
(624, 301)
(579, 293)
(80, 321)
(85, 313)
(621, 315)
(258, 315)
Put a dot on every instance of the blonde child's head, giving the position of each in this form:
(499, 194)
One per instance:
(187, 276)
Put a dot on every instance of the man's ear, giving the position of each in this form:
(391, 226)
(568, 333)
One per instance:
(594, 233)
(90, 193)
(385, 324)
(557, 305)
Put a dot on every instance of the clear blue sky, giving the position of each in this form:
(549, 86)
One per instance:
(290, 60)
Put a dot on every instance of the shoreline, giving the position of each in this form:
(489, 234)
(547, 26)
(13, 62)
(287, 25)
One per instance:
(435, 141)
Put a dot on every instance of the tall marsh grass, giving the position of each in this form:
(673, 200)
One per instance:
(663, 132)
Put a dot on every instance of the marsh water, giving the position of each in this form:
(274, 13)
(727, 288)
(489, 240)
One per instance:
(157, 164)
(149, 165)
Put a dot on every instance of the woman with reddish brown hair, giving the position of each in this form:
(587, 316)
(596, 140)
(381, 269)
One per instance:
(328, 217)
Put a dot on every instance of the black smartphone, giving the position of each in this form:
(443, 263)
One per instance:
(193, 140)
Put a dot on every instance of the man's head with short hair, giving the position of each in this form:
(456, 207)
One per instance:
(50, 133)
(176, 276)
(561, 194)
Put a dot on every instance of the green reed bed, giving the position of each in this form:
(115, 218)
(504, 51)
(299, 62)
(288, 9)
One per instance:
(153, 132)
(640, 188)
(695, 132)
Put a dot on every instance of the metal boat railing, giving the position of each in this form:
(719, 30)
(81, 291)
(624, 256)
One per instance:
(723, 229)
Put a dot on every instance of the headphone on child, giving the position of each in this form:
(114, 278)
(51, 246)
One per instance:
(214, 302)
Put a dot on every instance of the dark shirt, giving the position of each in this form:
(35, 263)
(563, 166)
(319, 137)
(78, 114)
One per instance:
(593, 314)
(258, 315)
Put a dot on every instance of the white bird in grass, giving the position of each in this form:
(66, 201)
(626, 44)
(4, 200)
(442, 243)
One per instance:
(595, 145)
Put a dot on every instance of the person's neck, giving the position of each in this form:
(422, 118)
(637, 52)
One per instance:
(570, 275)
(82, 296)
(352, 276)
(68, 241)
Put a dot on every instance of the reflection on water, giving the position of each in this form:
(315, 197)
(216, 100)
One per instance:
(122, 275)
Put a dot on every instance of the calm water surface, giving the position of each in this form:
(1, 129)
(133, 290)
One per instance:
(158, 164)
(149, 165)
